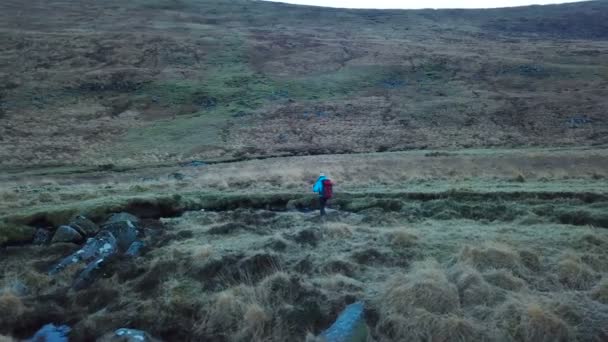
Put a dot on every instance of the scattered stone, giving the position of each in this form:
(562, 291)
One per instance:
(51, 333)
(84, 226)
(66, 234)
(42, 237)
(15, 233)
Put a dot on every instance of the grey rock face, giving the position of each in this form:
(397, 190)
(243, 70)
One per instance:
(66, 234)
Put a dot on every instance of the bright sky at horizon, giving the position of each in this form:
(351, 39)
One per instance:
(414, 4)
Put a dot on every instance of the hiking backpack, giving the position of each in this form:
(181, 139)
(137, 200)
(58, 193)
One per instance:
(327, 189)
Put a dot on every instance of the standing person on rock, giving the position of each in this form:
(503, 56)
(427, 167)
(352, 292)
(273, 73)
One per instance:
(324, 187)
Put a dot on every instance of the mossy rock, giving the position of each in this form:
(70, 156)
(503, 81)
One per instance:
(11, 233)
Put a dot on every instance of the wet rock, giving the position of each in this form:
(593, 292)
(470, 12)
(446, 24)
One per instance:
(84, 226)
(51, 333)
(42, 237)
(89, 274)
(66, 234)
(104, 244)
(15, 233)
(127, 335)
(125, 233)
(135, 249)
(348, 327)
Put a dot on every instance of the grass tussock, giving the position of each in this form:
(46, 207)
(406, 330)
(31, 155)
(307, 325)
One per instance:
(600, 291)
(491, 256)
(573, 273)
(425, 287)
(472, 287)
(505, 279)
(531, 322)
(425, 326)
(402, 238)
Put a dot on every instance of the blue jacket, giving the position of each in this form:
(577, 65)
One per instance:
(318, 187)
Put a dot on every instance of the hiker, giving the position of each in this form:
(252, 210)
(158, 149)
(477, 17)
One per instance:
(323, 186)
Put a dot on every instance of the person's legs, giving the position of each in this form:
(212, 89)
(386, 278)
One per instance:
(322, 202)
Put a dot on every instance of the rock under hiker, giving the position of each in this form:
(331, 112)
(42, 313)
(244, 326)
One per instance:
(324, 187)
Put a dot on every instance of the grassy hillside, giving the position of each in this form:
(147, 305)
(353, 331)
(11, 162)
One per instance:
(89, 82)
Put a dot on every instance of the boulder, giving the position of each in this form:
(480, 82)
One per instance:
(125, 233)
(15, 233)
(66, 234)
(123, 217)
(52, 333)
(84, 226)
(135, 249)
(102, 245)
(348, 327)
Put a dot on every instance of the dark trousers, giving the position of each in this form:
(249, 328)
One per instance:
(322, 203)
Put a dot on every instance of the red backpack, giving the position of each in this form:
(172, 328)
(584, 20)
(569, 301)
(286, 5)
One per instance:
(327, 189)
